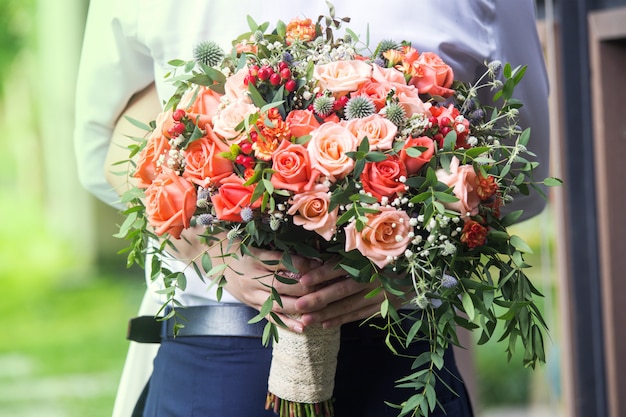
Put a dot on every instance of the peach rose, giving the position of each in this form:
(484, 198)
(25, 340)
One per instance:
(154, 154)
(342, 77)
(412, 103)
(203, 164)
(462, 179)
(389, 76)
(235, 88)
(301, 122)
(226, 120)
(293, 168)
(203, 107)
(380, 131)
(310, 210)
(382, 179)
(415, 163)
(232, 196)
(433, 76)
(386, 235)
(327, 150)
(170, 203)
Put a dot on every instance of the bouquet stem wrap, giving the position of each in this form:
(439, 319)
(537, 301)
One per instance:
(302, 373)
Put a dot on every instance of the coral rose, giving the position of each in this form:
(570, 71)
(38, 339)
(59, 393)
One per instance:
(203, 107)
(382, 179)
(301, 122)
(292, 168)
(380, 131)
(154, 154)
(385, 236)
(203, 164)
(170, 203)
(415, 163)
(310, 210)
(433, 76)
(375, 91)
(232, 197)
(462, 179)
(226, 120)
(327, 150)
(342, 77)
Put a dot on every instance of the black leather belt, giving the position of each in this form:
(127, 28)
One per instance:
(220, 319)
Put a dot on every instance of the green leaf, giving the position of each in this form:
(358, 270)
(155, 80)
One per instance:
(468, 306)
(137, 123)
(552, 182)
(519, 244)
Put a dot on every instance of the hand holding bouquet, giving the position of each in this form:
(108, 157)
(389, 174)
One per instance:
(377, 160)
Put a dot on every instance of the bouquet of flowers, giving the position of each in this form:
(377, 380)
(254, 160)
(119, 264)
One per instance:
(303, 141)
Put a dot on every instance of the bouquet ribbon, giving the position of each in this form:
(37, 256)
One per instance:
(302, 373)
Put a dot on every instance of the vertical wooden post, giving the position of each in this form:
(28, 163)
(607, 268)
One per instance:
(607, 45)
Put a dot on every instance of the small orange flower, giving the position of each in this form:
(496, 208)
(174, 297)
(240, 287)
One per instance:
(474, 234)
(272, 133)
(301, 29)
(486, 187)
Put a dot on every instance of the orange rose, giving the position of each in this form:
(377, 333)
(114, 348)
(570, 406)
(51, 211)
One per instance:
(232, 197)
(380, 131)
(382, 179)
(226, 120)
(170, 203)
(386, 235)
(301, 122)
(474, 234)
(462, 179)
(415, 163)
(310, 210)
(327, 150)
(293, 168)
(342, 77)
(433, 76)
(203, 164)
(155, 153)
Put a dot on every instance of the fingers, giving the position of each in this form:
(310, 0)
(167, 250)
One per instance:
(337, 290)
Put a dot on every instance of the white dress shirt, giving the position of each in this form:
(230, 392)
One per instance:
(128, 44)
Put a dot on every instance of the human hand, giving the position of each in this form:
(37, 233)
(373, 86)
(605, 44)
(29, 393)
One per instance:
(337, 299)
(250, 279)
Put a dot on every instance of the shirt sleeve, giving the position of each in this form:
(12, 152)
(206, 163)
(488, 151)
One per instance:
(114, 65)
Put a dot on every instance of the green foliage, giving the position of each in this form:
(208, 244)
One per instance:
(15, 23)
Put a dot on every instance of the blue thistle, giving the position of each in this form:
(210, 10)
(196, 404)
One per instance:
(208, 53)
(324, 105)
(359, 107)
(396, 114)
(448, 281)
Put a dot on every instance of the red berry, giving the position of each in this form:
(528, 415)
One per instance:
(177, 129)
(285, 73)
(275, 79)
(444, 121)
(253, 70)
(264, 73)
(250, 79)
(178, 114)
(433, 121)
(246, 147)
(282, 65)
(254, 136)
(445, 130)
(290, 85)
(248, 161)
(240, 159)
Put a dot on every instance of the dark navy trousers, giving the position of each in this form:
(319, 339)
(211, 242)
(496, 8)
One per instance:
(227, 377)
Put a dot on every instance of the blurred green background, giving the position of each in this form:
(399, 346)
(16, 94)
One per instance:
(66, 296)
